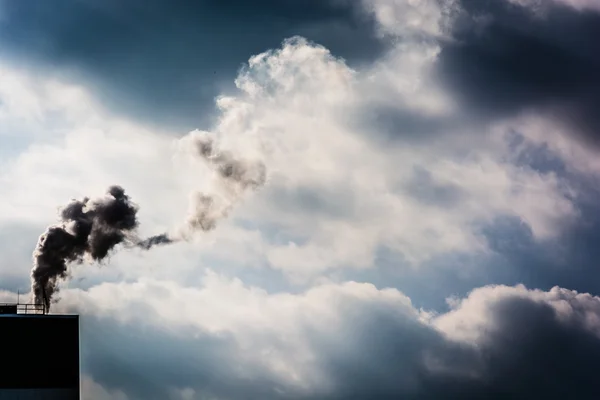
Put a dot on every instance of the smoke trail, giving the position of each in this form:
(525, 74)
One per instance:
(87, 228)
(150, 242)
(236, 175)
(237, 172)
(92, 228)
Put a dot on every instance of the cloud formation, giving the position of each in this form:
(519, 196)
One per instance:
(506, 60)
(348, 147)
(453, 153)
(125, 52)
(336, 341)
(368, 191)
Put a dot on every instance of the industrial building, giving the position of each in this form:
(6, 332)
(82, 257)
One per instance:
(40, 354)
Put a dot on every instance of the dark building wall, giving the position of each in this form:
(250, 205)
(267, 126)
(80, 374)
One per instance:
(39, 394)
(40, 357)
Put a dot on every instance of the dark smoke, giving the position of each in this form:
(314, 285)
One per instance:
(163, 238)
(92, 228)
(235, 174)
(87, 228)
(238, 172)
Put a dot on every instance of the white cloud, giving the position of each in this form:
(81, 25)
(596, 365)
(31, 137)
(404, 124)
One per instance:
(469, 321)
(71, 147)
(549, 132)
(335, 194)
(410, 17)
(403, 78)
(358, 160)
(330, 165)
(294, 341)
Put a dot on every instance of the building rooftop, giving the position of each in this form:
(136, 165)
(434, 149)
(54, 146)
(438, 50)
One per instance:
(41, 354)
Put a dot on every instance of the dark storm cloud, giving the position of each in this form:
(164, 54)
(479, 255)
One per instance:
(151, 363)
(525, 351)
(506, 60)
(164, 61)
(569, 261)
(516, 359)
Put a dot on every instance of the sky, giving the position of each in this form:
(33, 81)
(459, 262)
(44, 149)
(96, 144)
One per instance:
(429, 222)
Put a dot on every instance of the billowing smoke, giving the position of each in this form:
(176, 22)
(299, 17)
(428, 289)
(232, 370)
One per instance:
(87, 228)
(90, 229)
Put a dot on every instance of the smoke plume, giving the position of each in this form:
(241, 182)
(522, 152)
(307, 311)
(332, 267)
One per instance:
(90, 229)
(236, 176)
(87, 228)
(242, 173)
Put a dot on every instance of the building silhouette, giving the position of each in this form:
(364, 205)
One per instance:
(40, 354)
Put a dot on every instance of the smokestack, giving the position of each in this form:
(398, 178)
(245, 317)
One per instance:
(46, 300)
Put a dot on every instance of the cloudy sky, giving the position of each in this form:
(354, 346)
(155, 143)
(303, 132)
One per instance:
(429, 224)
